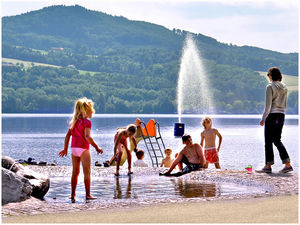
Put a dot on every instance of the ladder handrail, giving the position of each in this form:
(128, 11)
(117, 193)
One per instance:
(158, 128)
(159, 137)
(151, 143)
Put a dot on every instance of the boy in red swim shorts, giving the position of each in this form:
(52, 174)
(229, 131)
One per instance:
(209, 137)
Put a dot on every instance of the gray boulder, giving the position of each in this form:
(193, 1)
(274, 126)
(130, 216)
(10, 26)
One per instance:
(40, 183)
(15, 188)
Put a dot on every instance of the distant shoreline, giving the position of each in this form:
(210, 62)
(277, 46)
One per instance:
(223, 116)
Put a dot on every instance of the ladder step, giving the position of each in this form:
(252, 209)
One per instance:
(153, 154)
(158, 156)
(149, 143)
(154, 146)
(149, 137)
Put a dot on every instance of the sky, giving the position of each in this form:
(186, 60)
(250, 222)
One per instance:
(268, 24)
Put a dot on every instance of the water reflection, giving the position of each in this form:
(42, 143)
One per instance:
(141, 188)
(118, 189)
(190, 189)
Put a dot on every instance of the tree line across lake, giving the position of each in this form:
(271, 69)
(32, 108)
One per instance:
(40, 89)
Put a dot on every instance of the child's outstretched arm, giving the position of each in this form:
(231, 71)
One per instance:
(202, 139)
(134, 142)
(87, 134)
(220, 139)
(67, 140)
(162, 163)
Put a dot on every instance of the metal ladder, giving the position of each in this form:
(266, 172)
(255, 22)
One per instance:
(153, 146)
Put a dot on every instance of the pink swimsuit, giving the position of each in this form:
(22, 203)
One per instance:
(78, 151)
(79, 142)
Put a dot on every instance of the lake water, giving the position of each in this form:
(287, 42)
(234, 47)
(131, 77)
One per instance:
(42, 137)
(142, 188)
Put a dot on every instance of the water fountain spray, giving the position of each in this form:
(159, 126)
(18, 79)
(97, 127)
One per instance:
(193, 90)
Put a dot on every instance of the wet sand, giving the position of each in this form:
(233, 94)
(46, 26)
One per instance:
(280, 209)
(278, 204)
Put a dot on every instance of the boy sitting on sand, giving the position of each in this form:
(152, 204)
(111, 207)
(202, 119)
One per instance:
(139, 162)
(167, 162)
(209, 136)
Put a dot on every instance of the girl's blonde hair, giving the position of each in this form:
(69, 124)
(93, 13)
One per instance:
(81, 107)
(206, 119)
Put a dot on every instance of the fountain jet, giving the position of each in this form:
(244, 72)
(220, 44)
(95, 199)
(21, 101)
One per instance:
(193, 89)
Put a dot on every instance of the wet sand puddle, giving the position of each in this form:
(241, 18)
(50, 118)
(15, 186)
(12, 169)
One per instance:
(139, 188)
(145, 187)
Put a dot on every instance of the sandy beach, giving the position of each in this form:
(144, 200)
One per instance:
(280, 209)
(277, 203)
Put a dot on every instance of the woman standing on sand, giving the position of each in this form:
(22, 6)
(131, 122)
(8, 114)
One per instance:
(273, 120)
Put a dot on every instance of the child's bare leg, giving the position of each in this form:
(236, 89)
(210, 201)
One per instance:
(112, 160)
(180, 166)
(75, 173)
(119, 157)
(128, 159)
(206, 165)
(217, 165)
(86, 166)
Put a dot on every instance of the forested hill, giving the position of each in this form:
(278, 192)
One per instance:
(93, 33)
(74, 27)
(124, 66)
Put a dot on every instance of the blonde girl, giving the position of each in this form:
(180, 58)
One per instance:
(80, 130)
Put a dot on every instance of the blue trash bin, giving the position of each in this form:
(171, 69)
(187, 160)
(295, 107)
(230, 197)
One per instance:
(178, 129)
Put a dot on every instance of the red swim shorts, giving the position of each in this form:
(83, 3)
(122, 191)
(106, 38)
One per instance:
(211, 155)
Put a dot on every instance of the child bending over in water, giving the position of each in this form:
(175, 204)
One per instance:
(120, 142)
(80, 129)
(209, 136)
(167, 162)
(139, 162)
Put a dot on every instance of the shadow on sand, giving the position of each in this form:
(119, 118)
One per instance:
(280, 174)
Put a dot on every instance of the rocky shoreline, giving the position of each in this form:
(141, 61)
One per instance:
(275, 184)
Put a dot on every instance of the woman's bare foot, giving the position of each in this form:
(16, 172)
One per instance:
(90, 197)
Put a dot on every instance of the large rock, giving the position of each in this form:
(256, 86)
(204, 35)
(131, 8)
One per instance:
(15, 188)
(40, 183)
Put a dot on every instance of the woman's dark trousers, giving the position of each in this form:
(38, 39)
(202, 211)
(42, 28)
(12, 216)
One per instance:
(273, 129)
